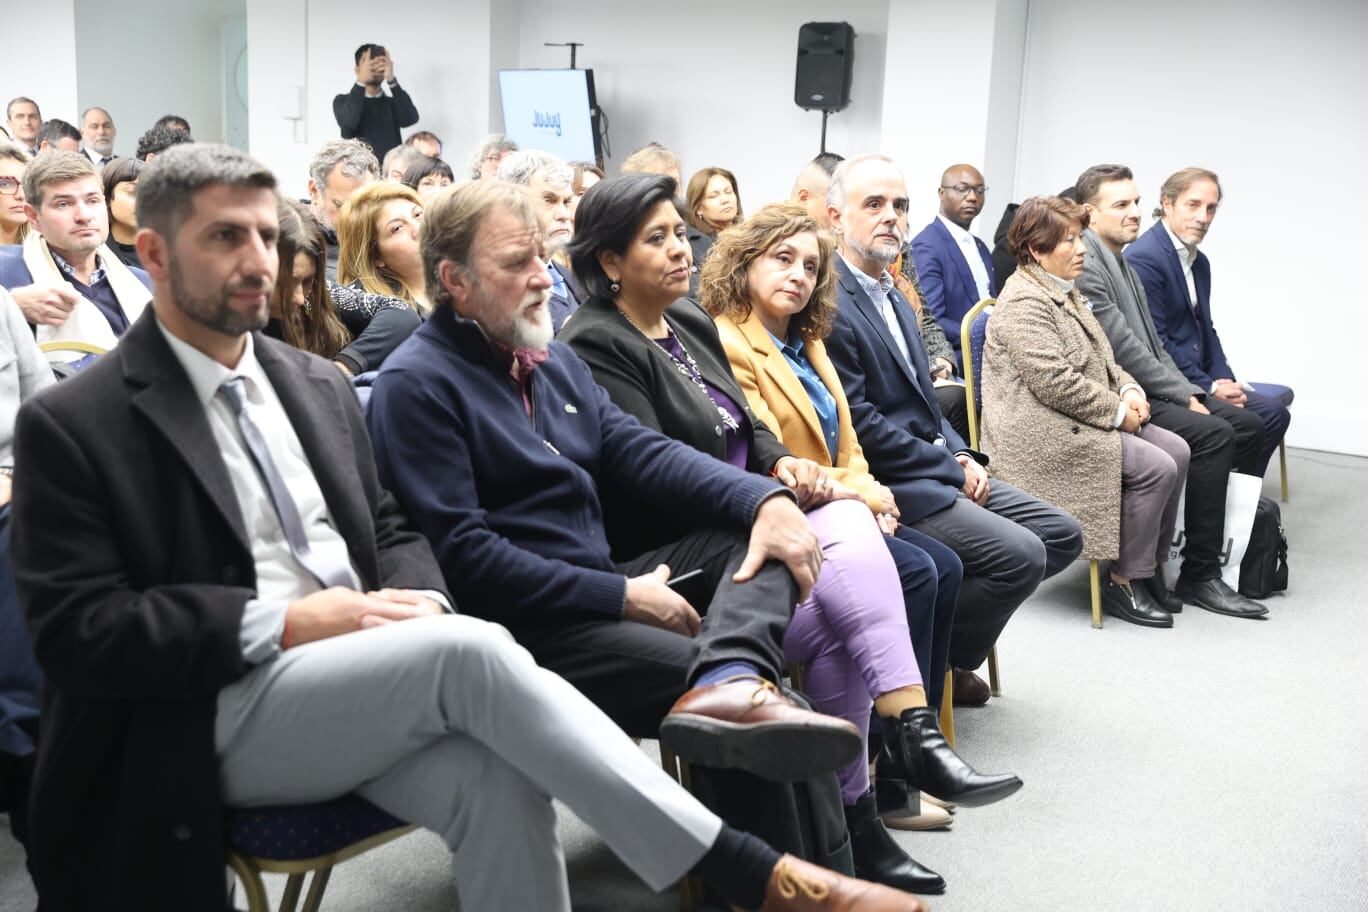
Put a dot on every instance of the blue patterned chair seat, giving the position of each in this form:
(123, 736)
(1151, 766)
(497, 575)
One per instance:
(298, 832)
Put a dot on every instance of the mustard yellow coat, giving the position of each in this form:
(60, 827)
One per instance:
(777, 398)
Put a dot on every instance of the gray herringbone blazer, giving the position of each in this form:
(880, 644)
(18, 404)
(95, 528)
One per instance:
(1118, 302)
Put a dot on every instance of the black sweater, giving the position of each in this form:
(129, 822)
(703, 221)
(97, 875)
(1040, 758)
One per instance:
(375, 121)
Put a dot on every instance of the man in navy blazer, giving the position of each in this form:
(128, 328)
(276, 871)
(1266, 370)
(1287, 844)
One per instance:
(1008, 540)
(1177, 280)
(955, 267)
(67, 206)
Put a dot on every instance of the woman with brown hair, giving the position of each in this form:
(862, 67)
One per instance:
(712, 203)
(586, 174)
(355, 329)
(377, 239)
(1064, 422)
(14, 223)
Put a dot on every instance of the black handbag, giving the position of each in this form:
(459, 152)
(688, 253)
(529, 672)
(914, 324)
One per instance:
(1264, 568)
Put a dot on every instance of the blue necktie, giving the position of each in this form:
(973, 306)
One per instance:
(320, 568)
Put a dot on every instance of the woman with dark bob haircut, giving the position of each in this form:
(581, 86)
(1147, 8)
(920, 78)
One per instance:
(428, 175)
(659, 357)
(1064, 422)
(120, 179)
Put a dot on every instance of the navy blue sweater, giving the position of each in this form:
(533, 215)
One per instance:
(511, 504)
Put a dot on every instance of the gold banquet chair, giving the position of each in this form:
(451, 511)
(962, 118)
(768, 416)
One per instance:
(973, 332)
(301, 840)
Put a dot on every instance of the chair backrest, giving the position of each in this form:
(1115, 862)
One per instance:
(67, 357)
(973, 332)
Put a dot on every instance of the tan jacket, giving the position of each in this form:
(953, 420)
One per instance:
(1051, 390)
(777, 398)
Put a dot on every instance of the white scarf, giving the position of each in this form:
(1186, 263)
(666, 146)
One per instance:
(86, 322)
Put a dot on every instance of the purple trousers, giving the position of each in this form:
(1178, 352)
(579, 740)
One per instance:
(852, 633)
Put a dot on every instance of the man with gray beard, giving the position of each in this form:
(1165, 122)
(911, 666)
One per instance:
(1008, 540)
(550, 181)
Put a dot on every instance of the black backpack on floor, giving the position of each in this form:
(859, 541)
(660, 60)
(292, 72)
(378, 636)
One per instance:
(1264, 568)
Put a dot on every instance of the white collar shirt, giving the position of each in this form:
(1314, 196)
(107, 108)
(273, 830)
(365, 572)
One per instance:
(968, 248)
(1187, 257)
(878, 291)
(279, 577)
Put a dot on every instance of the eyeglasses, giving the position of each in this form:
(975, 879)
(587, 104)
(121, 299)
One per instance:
(9, 185)
(964, 189)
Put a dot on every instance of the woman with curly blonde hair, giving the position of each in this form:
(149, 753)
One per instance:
(377, 240)
(770, 284)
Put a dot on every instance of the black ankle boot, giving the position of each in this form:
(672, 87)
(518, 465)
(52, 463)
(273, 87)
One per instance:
(916, 757)
(881, 860)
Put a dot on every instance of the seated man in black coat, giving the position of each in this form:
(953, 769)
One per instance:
(1008, 540)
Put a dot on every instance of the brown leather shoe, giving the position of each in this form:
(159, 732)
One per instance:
(797, 886)
(746, 723)
(970, 689)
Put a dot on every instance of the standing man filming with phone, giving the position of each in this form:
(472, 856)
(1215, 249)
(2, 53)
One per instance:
(368, 112)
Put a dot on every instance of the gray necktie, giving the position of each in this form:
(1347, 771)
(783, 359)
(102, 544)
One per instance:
(327, 573)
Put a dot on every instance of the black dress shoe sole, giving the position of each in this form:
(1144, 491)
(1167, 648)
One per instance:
(980, 797)
(778, 751)
(1138, 620)
(920, 886)
(1261, 615)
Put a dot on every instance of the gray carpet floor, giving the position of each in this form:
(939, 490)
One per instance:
(1214, 766)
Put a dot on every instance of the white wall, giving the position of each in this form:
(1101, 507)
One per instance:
(138, 71)
(49, 77)
(1271, 97)
(713, 80)
(970, 52)
(302, 56)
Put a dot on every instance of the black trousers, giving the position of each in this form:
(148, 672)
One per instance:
(635, 673)
(1228, 440)
(1008, 546)
(955, 407)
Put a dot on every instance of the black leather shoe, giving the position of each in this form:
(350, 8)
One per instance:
(921, 759)
(879, 858)
(1133, 603)
(1167, 600)
(1215, 595)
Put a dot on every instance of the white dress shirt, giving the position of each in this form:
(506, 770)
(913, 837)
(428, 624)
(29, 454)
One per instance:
(968, 248)
(878, 290)
(280, 579)
(1187, 257)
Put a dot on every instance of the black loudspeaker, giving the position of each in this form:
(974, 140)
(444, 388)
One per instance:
(826, 61)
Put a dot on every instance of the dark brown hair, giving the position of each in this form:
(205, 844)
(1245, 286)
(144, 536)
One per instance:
(1090, 181)
(1041, 223)
(316, 326)
(723, 286)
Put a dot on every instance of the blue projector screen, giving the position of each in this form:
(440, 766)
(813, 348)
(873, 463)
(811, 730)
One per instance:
(550, 110)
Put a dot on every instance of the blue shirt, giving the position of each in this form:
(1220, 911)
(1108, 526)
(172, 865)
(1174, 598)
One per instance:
(822, 401)
(99, 292)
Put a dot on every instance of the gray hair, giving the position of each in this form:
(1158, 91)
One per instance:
(355, 157)
(836, 191)
(494, 142)
(167, 187)
(451, 221)
(521, 167)
(398, 159)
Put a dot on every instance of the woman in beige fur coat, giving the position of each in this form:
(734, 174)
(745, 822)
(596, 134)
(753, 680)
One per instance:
(1064, 422)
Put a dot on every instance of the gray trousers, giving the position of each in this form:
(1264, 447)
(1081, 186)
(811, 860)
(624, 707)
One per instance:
(447, 723)
(1154, 465)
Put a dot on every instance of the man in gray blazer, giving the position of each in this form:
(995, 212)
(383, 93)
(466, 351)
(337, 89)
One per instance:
(1222, 438)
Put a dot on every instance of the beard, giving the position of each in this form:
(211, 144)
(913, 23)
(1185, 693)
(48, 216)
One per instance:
(215, 312)
(103, 147)
(882, 254)
(518, 329)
